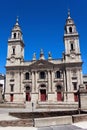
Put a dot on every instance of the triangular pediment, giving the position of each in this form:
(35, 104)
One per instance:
(41, 64)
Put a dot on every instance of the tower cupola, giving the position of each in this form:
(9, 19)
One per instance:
(70, 27)
(16, 31)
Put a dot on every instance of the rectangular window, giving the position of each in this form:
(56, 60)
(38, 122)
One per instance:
(42, 75)
(58, 74)
(12, 87)
(75, 86)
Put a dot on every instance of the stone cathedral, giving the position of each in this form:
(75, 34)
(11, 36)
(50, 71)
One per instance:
(44, 81)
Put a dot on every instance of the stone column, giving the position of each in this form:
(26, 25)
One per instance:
(20, 80)
(49, 82)
(68, 84)
(68, 80)
(81, 78)
(78, 78)
(33, 82)
(52, 80)
(35, 88)
(1, 93)
(22, 85)
(65, 86)
(64, 79)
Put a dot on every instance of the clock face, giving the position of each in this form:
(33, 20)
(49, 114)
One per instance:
(72, 56)
(12, 59)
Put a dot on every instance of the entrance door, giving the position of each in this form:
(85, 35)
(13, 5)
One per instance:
(11, 98)
(75, 97)
(59, 96)
(43, 95)
(28, 98)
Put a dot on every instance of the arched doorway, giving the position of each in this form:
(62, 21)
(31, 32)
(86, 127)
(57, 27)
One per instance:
(43, 92)
(59, 93)
(28, 96)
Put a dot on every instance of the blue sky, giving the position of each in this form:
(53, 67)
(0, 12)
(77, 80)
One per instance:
(42, 23)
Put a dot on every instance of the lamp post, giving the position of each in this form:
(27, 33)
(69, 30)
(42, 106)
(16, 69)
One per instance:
(32, 106)
(79, 101)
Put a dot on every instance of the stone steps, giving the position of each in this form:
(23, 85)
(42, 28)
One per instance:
(12, 105)
(57, 106)
(21, 122)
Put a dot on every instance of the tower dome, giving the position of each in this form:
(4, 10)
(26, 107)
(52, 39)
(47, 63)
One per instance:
(16, 31)
(69, 20)
(70, 27)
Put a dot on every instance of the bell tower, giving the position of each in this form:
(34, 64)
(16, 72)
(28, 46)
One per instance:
(71, 41)
(72, 60)
(15, 52)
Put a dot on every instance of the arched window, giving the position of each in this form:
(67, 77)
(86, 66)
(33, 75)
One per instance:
(18, 35)
(13, 50)
(14, 35)
(59, 88)
(57, 74)
(72, 48)
(43, 85)
(42, 75)
(27, 76)
(27, 88)
(70, 29)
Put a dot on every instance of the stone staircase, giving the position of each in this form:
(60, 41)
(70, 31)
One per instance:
(51, 106)
(56, 105)
(11, 105)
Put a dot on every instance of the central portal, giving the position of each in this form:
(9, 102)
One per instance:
(59, 96)
(28, 98)
(28, 95)
(43, 95)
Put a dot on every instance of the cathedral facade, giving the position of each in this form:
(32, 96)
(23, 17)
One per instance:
(44, 80)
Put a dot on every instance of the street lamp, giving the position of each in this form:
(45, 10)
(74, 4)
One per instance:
(79, 101)
(32, 106)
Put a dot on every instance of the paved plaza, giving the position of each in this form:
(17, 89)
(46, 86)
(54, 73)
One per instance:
(77, 126)
(4, 115)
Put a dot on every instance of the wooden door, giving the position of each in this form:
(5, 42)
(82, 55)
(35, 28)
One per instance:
(11, 97)
(28, 98)
(43, 95)
(59, 96)
(75, 97)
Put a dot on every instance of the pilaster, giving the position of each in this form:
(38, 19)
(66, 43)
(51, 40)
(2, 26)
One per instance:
(49, 82)
(33, 83)
(35, 88)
